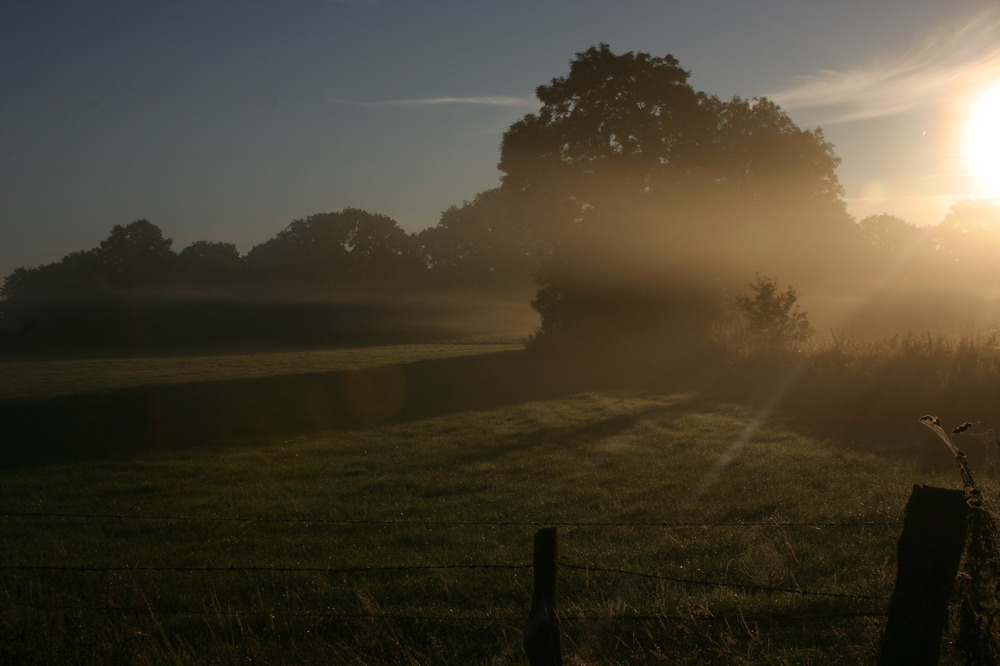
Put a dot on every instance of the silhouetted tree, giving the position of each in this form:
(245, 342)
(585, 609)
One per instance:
(351, 249)
(617, 125)
(136, 255)
(307, 250)
(16, 283)
(209, 264)
(626, 125)
(772, 319)
(379, 251)
(760, 156)
(58, 302)
(477, 245)
(639, 183)
(76, 274)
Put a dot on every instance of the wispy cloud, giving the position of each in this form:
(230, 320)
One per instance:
(488, 100)
(938, 68)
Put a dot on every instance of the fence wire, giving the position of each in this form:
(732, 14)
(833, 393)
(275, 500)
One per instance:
(442, 523)
(366, 570)
(709, 583)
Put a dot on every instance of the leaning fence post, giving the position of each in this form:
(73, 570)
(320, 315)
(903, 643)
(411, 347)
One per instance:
(930, 551)
(541, 631)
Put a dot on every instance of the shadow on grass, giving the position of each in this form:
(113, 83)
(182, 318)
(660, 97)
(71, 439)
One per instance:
(878, 417)
(876, 413)
(206, 415)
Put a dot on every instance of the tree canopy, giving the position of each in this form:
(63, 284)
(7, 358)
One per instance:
(970, 233)
(626, 126)
(349, 249)
(637, 179)
(478, 245)
(330, 276)
(136, 255)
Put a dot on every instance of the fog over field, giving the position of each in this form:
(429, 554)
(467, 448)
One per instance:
(320, 320)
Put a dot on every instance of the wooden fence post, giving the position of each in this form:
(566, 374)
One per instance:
(930, 551)
(541, 631)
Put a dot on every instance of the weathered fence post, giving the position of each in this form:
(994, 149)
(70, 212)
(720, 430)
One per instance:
(541, 631)
(930, 551)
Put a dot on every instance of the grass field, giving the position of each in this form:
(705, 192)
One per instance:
(378, 506)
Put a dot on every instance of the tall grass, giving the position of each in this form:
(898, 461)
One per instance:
(870, 392)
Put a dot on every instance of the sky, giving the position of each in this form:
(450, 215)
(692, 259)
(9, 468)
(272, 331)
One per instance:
(224, 120)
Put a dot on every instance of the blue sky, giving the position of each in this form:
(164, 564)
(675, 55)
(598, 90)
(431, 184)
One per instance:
(226, 119)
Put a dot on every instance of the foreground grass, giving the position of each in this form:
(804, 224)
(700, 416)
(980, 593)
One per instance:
(445, 462)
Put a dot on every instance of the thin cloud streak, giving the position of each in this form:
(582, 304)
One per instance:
(939, 68)
(489, 100)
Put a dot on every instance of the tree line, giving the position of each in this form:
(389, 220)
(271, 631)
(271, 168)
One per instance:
(335, 276)
(636, 205)
(347, 252)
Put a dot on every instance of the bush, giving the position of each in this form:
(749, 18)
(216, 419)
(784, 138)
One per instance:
(772, 320)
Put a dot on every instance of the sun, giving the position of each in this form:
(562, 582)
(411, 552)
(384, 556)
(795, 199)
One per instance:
(981, 140)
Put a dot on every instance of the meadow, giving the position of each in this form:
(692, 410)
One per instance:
(377, 505)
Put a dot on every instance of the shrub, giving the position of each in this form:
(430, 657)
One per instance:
(771, 319)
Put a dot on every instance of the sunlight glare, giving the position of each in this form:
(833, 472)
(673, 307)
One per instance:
(982, 140)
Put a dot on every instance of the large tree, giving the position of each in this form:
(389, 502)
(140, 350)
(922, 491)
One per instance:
(630, 124)
(643, 186)
(616, 125)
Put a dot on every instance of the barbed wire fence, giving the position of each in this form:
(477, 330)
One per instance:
(513, 620)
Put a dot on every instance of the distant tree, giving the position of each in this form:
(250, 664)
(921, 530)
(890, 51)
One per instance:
(897, 252)
(57, 302)
(476, 245)
(136, 255)
(76, 274)
(638, 182)
(89, 298)
(349, 249)
(22, 282)
(208, 264)
(970, 233)
(307, 250)
(772, 319)
(378, 250)
(974, 216)
(17, 282)
(888, 233)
